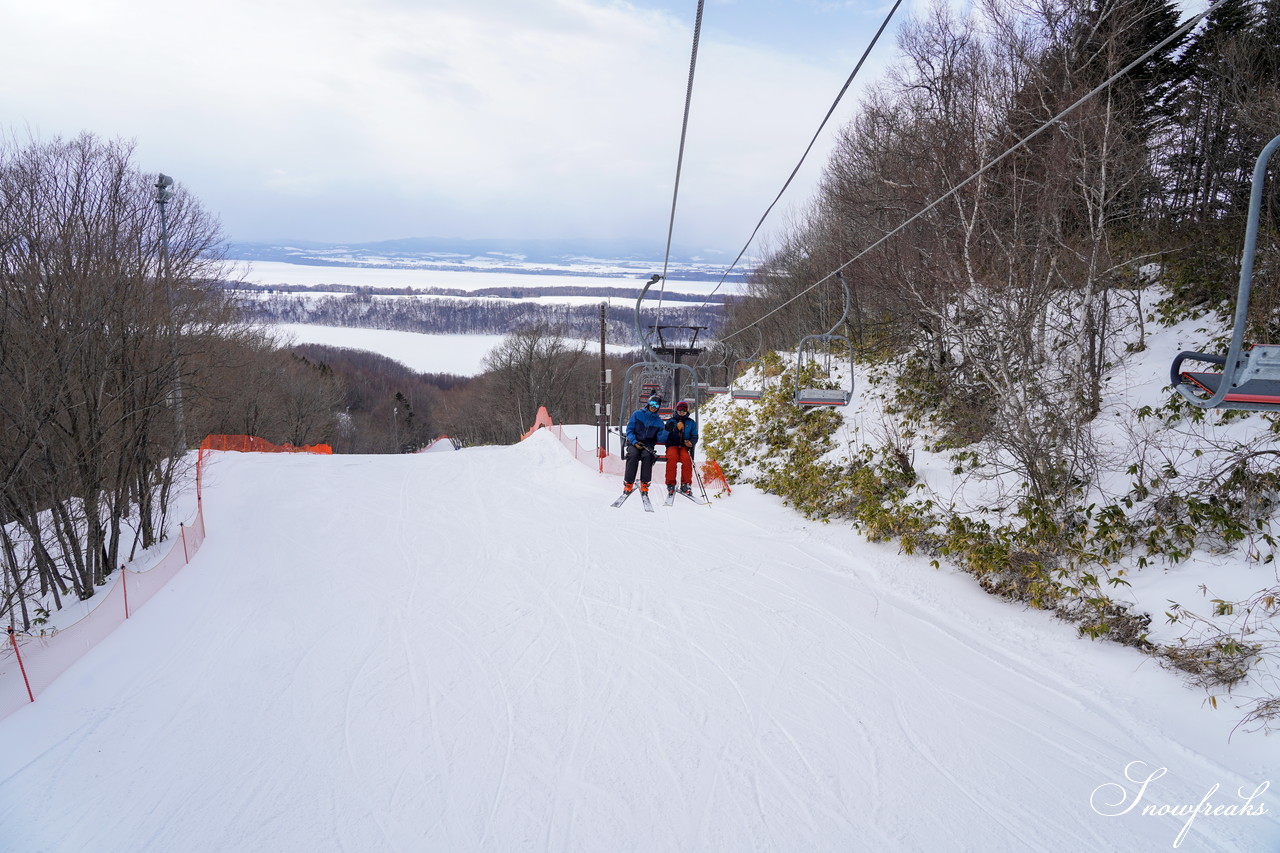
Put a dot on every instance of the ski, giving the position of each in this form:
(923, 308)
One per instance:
(671, 499)
(621, 499)
(644, 499)
(699, 501)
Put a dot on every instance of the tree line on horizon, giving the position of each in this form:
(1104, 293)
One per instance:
(470, 316)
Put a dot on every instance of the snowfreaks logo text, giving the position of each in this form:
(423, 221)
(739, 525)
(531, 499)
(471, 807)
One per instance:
(1114, 799)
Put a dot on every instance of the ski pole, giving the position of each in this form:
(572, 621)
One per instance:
(697, 475)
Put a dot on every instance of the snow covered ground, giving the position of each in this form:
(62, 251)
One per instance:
(473, 651)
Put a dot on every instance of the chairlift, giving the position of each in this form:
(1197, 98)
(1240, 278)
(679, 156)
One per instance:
(1249, 379)
(825, 396)
(742, 365)
(709, 372)
(657, 376)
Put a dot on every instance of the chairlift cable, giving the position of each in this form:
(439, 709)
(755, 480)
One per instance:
(684, 130)
(1021, 143)
(847, 83)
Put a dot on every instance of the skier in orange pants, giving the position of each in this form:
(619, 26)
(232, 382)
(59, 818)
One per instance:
(682, 435)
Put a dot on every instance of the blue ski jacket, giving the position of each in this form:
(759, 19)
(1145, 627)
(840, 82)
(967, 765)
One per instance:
(646, 428)
(679, 436)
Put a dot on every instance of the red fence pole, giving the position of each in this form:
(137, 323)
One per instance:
(13, 639)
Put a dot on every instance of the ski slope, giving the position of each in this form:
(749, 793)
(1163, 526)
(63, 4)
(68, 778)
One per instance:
(473, 651)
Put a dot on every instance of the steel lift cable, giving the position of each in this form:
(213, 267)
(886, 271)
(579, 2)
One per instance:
(684, 132)
(847, 83)
(1021, 143)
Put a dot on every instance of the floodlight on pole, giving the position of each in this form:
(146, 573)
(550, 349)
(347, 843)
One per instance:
(163, 194)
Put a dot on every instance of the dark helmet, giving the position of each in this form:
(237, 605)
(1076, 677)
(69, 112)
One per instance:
(655, 402)
(682, 406)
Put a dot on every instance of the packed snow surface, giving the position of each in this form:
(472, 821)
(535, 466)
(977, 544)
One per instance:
(473, 651)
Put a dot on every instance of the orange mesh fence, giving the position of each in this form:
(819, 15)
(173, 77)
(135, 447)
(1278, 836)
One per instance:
(605, 464)
(540, 420)
(253, 444)
(712, 474)
(596, 457)
(441, 443)
(29, 663)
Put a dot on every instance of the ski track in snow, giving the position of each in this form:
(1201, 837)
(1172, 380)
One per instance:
(474, 651)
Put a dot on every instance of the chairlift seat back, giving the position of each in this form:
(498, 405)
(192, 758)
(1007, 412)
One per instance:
(1262, 361)
(747, 393)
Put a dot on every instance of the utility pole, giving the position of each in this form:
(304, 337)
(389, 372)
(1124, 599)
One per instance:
(602, 408)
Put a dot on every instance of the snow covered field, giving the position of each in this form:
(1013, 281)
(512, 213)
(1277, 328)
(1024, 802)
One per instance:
(473, 651)
(461, 355)
(268, 273)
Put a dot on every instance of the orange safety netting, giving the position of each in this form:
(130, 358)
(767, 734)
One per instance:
(441, 443)
(596, 457)
(540, 420)
(712, 473)
(29, 663)
(253, 444)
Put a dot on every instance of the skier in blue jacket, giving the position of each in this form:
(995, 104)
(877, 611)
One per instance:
(645, 431)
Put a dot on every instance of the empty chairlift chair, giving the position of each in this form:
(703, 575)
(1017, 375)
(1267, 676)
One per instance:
(738, 391)
(1250, 378)
(825, 396)
(712, 370)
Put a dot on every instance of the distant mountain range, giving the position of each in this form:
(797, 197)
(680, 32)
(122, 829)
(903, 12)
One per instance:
(594, 257)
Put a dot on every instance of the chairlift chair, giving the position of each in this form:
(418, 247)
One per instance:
(645, 378)
(825, 396)
(1250, 378)
(709, 372)
(735, 390)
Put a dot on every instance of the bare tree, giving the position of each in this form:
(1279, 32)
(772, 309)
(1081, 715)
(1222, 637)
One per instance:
(95, 333)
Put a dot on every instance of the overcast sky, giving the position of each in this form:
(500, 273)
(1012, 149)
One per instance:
(358, 120)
